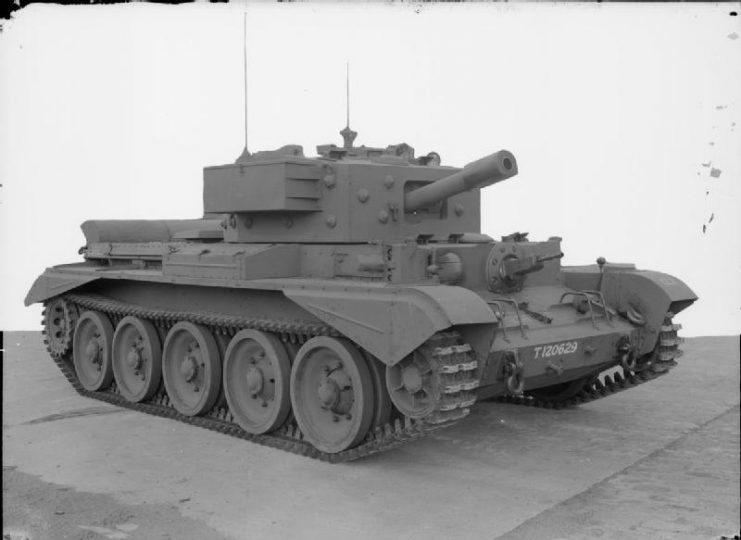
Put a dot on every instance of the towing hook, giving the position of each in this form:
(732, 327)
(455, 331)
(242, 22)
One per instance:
(628, 361)
(513, 374)
(627, 356)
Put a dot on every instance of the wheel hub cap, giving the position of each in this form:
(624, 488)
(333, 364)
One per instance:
(92, 351)
(133, 359)
(329, 393)
(189, 368)
(412, 379)
(255, 381)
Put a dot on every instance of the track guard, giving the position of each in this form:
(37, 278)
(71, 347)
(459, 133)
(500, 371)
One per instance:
(55, 281)
(652, 294)
(391, 322)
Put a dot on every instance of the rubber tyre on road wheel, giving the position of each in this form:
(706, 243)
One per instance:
(137, 359)
(91, 351)
(257, 374)
(332, 393)
(191, 368)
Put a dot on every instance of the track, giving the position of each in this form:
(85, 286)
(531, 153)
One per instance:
(454, 359)
(659, 363)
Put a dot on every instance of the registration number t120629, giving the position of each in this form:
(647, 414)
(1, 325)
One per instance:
(557, 349)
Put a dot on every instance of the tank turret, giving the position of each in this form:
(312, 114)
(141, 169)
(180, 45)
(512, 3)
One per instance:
(349, 194)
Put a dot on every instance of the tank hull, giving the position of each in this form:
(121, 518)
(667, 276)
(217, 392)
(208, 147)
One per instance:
(336, 307)
(553, 343)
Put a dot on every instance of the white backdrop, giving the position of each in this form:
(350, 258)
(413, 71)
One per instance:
(617, 115)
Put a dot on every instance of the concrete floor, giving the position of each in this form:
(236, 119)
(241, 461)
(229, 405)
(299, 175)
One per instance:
(658, 461)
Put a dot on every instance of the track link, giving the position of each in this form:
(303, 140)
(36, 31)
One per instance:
(661, 360)
(456, 361)
(458, 381)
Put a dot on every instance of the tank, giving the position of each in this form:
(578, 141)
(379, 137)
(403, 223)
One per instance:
(343, 304)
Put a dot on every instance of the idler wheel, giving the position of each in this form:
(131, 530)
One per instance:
(414, 384)
(257, 373)
(191, 368)
(332, 393)
(91, 351)
(60, 318)
(137, 359)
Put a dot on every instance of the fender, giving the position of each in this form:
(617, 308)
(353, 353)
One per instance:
(650, 293)
(55, 281)
(390, 322)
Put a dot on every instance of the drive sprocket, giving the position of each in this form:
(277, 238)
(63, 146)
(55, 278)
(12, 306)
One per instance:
(59, 321)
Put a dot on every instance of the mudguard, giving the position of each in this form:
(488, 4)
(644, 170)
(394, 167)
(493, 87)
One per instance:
(55, 281)
(390, 322)
(651, 294)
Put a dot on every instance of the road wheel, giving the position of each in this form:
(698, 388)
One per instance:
(91, 351)
(332, 393)
(381, 399)
(257, 374)
(191, 368)
(137, 359)
(222, 342)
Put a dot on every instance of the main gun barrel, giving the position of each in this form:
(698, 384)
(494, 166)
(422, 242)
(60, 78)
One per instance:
(477, 174)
